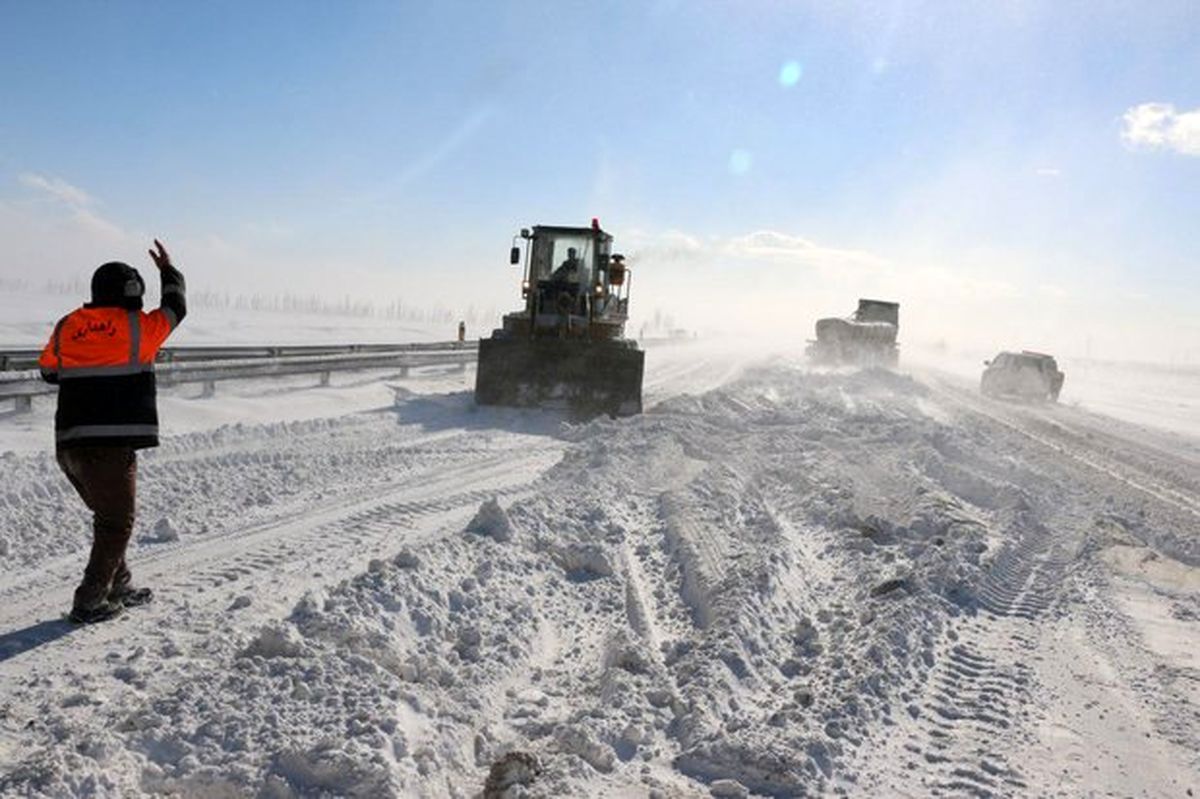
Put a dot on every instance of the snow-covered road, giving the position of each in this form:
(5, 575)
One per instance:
(773, 581)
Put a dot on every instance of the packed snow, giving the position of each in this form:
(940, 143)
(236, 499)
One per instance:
(775, 582)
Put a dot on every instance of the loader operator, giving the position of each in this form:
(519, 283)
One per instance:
(102, 358)
(563, 289)
(569, 270)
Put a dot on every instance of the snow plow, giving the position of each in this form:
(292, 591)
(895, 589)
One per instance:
(866, 338)
(566, 348)
(1026, 374)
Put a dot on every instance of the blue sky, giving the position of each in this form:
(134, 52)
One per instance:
(982, 145)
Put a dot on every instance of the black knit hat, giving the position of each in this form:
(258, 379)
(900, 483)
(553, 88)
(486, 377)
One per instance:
(119, 284)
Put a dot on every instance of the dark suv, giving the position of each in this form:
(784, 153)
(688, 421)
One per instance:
(1030, 375)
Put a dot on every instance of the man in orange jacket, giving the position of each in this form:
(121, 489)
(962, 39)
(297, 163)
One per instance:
(102, 358)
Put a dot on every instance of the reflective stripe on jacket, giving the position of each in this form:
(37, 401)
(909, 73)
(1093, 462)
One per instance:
(103, 361)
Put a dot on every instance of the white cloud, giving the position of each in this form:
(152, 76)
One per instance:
(101, 229)
(766, 247)
(775, 246)
(57, 188)
(667, 247)
(1160, 126)
(56, 231)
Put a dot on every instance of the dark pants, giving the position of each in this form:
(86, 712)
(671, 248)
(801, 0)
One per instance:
(106, 479)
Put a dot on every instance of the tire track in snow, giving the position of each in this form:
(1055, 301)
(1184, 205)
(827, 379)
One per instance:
(275, 563)
(350, 535)
(656, 600)
(278, 545)
(298, 508)
(686, 370)
(1167, 485)
(979, 690)
(699, 554)
(364, 531)
(977, 714)
(973, 711)
(209, 482)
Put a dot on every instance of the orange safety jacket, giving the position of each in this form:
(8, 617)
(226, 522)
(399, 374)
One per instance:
(102, 358)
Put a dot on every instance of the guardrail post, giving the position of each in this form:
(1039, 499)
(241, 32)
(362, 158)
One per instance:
(23, 404)
(325, 378)
(209, 389)
(404, 371)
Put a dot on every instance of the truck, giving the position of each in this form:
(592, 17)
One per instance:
(865, 338)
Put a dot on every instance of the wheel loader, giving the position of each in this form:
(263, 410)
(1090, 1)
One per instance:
(566, 347)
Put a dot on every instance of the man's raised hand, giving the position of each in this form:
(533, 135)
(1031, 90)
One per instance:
(161, 259)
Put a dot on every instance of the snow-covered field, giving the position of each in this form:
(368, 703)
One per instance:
(27, 317)
(774, 581)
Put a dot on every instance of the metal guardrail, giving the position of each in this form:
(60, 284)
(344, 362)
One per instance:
(20, 380)
(17, 359)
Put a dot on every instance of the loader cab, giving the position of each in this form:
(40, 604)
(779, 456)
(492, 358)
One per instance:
(573, 279)
(553, 248)
(563, 259)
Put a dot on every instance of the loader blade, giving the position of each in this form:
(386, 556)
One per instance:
(586, 378)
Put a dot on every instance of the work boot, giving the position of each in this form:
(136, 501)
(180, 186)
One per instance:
(99, 612)
(130, 597)
(122, 591)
